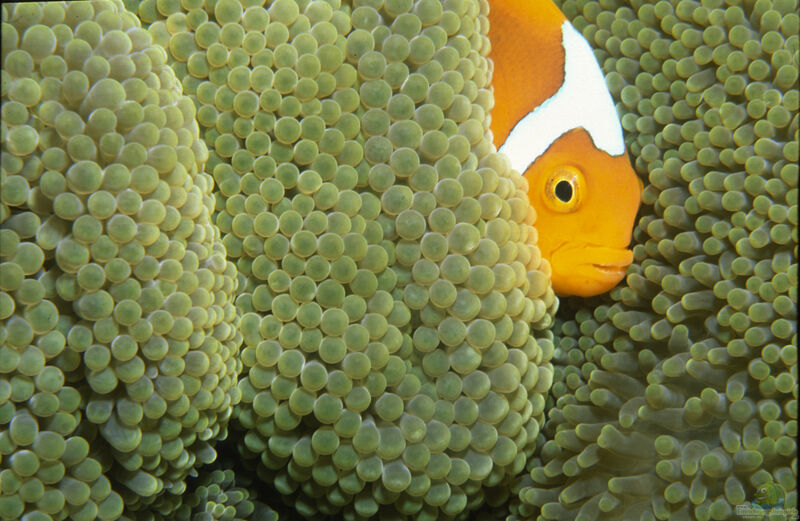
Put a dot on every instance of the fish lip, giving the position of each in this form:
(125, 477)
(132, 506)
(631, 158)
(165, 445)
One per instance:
(596, 255)
(604, 261)
(610, 268)
(615, 265)
(587, 270)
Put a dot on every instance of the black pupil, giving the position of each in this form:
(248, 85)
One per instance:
(564, 191)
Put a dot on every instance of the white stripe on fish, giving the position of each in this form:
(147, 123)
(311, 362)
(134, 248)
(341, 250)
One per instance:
(582, 101)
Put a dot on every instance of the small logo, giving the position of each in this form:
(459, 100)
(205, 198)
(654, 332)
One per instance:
(768, 498)
(769, 495)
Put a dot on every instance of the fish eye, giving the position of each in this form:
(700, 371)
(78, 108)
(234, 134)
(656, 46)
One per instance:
(564, 189)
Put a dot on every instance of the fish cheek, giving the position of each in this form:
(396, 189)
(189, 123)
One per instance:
(612, 190)
(554, 228)
(621, 200)
(603, 187)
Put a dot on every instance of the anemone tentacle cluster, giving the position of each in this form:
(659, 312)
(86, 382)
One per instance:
(118, 340)
(391, 284)
(223, 494)
(287, 215)
(676, 397)
(394, 307)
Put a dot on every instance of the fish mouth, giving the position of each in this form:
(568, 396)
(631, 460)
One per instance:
(611, 269)
(586, 270)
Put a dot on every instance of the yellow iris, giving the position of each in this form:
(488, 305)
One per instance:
(565, 189)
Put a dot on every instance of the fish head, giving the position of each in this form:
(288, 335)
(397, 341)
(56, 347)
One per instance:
(586, 202)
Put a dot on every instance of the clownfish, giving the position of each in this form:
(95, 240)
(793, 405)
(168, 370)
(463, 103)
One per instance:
(554, 117)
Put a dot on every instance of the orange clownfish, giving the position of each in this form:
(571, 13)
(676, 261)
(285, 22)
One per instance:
(555, 119)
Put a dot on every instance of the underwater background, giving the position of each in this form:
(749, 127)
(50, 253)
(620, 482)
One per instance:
(261, 261)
